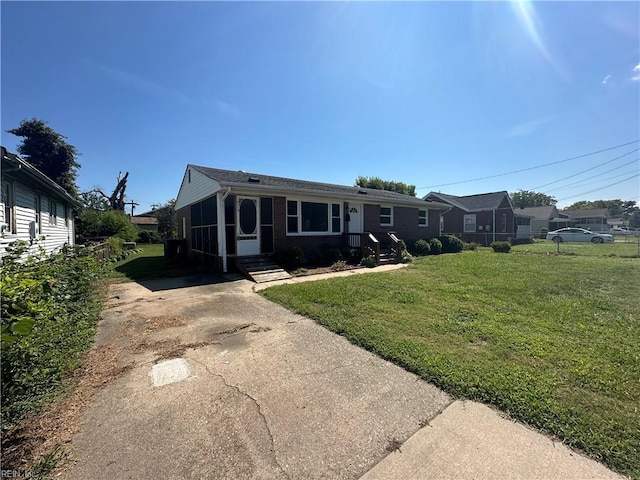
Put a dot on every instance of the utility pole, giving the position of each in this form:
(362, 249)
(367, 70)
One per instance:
(133, 205)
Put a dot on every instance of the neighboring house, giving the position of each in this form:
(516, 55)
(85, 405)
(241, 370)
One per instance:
(594, 220)
(145, 222)
(33, 207)
(531, 221)
(225, 214)
(481, 218)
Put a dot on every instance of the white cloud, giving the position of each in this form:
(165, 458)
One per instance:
(636, 69)
(606, 80)
(526, 128)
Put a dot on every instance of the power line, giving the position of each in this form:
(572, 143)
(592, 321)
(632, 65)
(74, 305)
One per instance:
(587, 170)
(593, 176)
(582, 184)
(530, 168)
(601, 188)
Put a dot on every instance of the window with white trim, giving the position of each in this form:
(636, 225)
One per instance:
(306, 217)
(470, 223)
(423, 218)
(53, 214)
(386, 216)
(8, 200)
(37, 201)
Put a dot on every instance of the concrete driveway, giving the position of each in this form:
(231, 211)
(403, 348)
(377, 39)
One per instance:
(218, 382)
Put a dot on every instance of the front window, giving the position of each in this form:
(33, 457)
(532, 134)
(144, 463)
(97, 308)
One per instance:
(503, 223)
(313, 217)
(386, 216)
(470, 223)
(423, 218)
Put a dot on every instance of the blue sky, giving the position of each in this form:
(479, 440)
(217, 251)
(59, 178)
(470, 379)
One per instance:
(429, 93)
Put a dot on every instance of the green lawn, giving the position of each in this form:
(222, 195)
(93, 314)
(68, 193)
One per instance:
(622, 247)
(150, 263)
(554, 341)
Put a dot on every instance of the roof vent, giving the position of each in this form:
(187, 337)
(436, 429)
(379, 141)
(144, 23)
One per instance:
(254, 180)
(362, 192)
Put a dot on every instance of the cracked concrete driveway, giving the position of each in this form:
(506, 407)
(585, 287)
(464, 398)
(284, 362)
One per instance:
(269, 394)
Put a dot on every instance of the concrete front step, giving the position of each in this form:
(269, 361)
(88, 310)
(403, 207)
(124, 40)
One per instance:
(260, 269)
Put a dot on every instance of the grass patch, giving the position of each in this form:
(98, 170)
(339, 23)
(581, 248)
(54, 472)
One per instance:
(622, 249)
(551, 340)
(149, 263)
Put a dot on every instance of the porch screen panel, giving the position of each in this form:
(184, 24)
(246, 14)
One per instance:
(209, 211)
(230, 223)
(266, 225)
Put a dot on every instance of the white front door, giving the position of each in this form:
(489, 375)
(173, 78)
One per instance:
(248, 223)
(356, 224)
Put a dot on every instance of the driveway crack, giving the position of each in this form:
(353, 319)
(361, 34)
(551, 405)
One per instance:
(258, 406)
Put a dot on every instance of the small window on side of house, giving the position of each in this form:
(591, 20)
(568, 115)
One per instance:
(423, 218)
(53, 214)
(470, 223)
(386, 216)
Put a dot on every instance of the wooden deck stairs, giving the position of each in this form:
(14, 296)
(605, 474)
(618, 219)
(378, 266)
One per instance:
(260, 268)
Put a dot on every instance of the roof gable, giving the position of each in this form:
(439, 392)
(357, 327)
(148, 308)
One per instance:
(473, 203)
(599, 212)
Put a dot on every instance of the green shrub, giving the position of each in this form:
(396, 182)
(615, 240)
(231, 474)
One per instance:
(352, 255)
(116, 246)
(339, 266)
(435, 246)
(471, 246)
(501, 247)
(57, 296)
(523, 241)
(420, 247)
(368, 262)
(92, 223)
(450, 244)
(146, 236)
(290, 258)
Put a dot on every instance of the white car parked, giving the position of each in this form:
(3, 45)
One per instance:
(578, 235)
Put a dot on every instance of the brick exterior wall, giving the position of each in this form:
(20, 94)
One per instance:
(405, 222)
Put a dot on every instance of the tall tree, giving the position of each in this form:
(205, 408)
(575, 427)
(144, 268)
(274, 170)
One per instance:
(617, 208)
(115, 201)
(380, 184)
(166, 215)
(529, 198)
(49, 152)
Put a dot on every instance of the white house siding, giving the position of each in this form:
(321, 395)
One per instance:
(50, 237)
(195, 186)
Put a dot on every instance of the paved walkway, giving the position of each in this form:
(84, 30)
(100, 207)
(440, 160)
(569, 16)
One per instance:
(263, 393)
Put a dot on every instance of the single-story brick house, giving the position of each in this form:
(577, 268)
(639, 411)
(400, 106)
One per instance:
(481, 218)
(224, 214)
(33, 207)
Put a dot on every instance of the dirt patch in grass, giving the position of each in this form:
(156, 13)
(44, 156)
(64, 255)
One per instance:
(34, 440)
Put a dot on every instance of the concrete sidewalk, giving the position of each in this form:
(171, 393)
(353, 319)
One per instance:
(263, 393)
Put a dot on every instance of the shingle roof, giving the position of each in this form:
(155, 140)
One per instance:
(536, 212)
(142, 220)
(255, 180)
(600, 212)
(472, 203)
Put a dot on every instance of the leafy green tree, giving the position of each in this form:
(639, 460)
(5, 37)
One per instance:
(49, 152)
(111, 223)
(92, 200)
(529, 198)
(617, 208)
(166, 215)
(380, 184)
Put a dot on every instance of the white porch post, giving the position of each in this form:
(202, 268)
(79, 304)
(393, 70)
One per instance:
(222, 231)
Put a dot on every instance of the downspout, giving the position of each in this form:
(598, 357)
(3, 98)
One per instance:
(222, 230)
